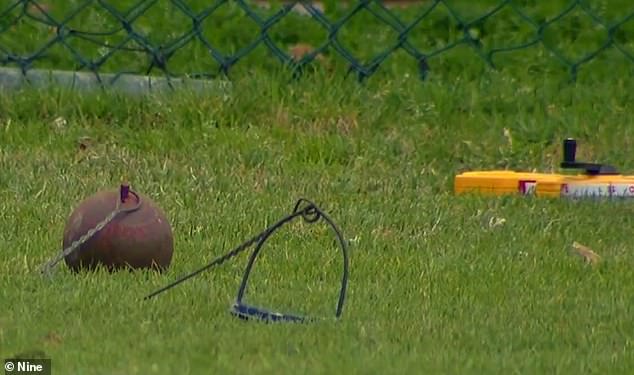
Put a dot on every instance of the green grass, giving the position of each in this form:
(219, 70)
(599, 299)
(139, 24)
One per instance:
(439, 283)
(435, 286)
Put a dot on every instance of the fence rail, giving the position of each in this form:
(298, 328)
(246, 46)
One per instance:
(205, 38)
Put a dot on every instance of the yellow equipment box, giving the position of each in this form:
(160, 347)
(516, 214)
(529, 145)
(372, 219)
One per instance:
(598, 180)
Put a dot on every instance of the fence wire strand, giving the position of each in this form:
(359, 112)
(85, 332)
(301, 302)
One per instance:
(150, 36)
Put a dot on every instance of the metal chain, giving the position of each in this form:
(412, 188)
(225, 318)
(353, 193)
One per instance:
(48, 266)
(216, 262)
(306, 213)
(310, 213)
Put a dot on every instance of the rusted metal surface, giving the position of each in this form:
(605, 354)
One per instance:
(138, 239)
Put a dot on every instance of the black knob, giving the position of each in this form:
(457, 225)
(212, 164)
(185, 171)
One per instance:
(570, 150)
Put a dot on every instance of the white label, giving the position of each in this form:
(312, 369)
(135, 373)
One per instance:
(597, 190)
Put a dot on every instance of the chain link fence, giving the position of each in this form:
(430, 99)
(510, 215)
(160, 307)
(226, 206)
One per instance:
(206, 38)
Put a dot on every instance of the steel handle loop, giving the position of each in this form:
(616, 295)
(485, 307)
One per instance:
(311, 213)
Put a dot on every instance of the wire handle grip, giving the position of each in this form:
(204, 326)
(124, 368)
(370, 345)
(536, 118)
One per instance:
(311, 214)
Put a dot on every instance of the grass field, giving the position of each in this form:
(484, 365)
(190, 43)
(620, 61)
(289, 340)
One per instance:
(439, 283)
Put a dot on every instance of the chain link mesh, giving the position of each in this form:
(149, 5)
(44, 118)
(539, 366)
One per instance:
(205, 38)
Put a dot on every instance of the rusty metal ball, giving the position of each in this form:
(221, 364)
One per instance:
(140, 239)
